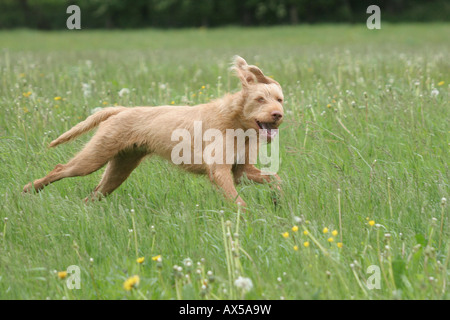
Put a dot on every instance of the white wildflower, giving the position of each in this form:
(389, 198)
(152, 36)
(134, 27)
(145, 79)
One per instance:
(86, 88)
(123, 92)
(298, 220)
(187, 262)
(434, 93)
(245, 284)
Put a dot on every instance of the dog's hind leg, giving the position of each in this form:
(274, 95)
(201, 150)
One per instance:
(94, 156)
(117, 171)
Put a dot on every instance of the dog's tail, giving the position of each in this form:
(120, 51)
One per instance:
(87, 125)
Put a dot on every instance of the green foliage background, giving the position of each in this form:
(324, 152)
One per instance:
(51, 14)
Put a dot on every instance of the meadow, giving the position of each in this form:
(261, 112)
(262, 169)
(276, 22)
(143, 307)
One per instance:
(364, 163)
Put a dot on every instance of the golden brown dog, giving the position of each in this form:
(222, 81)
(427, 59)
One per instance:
(125, 136)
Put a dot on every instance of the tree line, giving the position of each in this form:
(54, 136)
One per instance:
(51, 14)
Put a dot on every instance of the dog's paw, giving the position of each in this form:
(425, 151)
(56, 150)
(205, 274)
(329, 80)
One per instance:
(28, 188)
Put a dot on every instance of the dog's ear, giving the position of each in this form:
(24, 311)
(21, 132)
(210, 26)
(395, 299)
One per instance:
(249, 74)
(240, 68)
(259, 75)
(239, 62)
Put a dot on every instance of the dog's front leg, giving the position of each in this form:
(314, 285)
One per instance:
(256, 175)
(222, 177)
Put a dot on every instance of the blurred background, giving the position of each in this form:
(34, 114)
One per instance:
(125, 14)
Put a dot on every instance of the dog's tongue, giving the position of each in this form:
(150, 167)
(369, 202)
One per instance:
(269, 132)
(265, 126)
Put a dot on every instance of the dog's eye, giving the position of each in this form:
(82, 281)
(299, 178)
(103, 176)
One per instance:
(261, 100)
(280, 100)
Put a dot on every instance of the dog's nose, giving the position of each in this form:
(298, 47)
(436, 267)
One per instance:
(277, 115)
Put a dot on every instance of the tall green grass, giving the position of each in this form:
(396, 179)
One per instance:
(366, 138)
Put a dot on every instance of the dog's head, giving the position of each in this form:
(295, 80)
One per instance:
(263, 99)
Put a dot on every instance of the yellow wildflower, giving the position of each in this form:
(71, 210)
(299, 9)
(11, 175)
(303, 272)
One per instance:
(131, 283)
(325, 230)
(441, 83)
(295, 248)
(62, 275)
(156, 258)
(330, 239)
(105, 103)
(328, 105)
(371, 223)
(173, 102)
(140, 260)
(340, 245)
(306, 244)
(27, 94)
(285, 235)
(203, 87)
(335, 233)
(57, 98)
(294, 228)
(305, 232)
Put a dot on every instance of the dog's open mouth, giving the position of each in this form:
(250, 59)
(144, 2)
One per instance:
(267, 129)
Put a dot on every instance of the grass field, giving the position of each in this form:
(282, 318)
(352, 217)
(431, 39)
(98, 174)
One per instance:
(364, 152)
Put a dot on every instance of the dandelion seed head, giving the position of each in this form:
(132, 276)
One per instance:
(434, 93)
(245, 284)
(123, 92)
